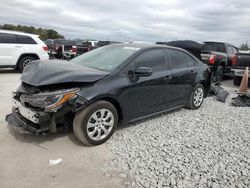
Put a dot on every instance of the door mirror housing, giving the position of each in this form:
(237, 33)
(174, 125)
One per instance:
(143, 71)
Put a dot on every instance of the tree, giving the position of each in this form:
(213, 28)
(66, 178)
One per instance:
(244, 46)
(43, 33)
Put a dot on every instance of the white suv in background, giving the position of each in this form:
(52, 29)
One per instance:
(17, 49)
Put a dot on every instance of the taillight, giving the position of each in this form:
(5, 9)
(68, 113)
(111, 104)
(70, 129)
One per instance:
(45, 48)
(73, 49)
(234, 60)
(212, 58)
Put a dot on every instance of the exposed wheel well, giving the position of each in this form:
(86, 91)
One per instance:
(206, 87)
(25, 55)
(116, 105)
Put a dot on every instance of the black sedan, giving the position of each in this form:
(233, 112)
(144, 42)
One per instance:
(103, 88)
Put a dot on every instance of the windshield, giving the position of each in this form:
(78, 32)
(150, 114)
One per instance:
(105, 58)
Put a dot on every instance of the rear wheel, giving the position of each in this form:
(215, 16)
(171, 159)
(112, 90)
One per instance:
(219, 74)
(25, 61)
(237, 80)
(96, 123)
(197, 97)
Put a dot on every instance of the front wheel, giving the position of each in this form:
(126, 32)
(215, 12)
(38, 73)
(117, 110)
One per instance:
(197, 97)
(96, 123)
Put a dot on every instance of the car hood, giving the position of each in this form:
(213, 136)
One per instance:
(40, 73)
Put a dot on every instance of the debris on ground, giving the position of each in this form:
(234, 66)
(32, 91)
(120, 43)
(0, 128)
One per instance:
(41, 146)
(220, 93)
(241, 101)
(55, 162)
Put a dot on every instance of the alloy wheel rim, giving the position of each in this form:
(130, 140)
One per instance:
(198, 96)
(26, 62)
(100, 124)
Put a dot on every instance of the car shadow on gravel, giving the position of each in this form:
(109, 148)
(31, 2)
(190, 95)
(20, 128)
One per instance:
(23, 136)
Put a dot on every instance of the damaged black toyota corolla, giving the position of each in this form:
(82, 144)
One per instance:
(103, 88)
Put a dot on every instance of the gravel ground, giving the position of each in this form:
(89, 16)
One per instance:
(209, 147)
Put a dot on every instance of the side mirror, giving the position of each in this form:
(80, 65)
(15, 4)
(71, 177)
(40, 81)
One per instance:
(143, 71)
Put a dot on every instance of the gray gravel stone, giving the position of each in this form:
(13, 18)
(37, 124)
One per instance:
(122, 175)
(208, 147)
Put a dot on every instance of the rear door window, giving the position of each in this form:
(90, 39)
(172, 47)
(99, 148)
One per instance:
(154, 59)
(21, 39)
(7, 38)
(178, 59)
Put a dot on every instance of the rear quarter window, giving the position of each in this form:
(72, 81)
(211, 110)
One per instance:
(21, 39)
(7, 38)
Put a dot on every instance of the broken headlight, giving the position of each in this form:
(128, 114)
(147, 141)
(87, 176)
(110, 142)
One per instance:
(50, 101)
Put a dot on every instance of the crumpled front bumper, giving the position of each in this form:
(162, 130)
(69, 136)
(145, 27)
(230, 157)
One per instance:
(16, 119)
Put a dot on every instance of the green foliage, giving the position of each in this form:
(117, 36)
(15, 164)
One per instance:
(43, 33)
(244, 46)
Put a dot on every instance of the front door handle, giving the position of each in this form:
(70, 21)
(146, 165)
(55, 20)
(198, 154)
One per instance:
(167, 78)
(193, 71)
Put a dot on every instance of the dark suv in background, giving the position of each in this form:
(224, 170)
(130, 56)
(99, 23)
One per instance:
(219, 56)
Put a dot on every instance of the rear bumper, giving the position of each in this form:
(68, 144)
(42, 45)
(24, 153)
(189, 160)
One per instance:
(240, 72)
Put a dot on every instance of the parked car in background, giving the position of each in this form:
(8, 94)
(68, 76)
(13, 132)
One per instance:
(239, 64)
(219, 57)
(68, 49)
(17, 49)
(161, 43)
(61, 48)
(193, 47)
(105, 43)
(114, 84)
(86, 46)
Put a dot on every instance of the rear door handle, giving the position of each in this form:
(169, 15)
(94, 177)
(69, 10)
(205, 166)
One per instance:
(18, 46)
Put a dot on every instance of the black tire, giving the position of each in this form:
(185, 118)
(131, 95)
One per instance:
(23, 61)
(237, 80)
(219, 74)
(191, 102)
(83, 117)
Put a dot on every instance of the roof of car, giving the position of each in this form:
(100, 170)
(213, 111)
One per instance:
(145, 45)
(219, 43)
(16, 32)
(137, 45)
